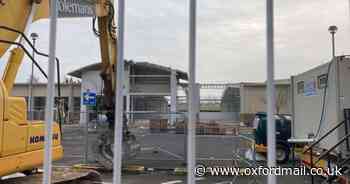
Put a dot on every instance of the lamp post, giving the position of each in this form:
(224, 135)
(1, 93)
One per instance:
(34, 37)
(333, 29)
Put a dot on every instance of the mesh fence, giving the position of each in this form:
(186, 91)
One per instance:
(70, 117)
(160, 141)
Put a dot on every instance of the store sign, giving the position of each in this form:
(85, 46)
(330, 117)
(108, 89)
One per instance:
(76, 8)
(89, 98)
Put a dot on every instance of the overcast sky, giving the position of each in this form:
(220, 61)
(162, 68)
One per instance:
(231, 37)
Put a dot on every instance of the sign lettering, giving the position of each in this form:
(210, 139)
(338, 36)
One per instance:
(76, 8)
(37, 139)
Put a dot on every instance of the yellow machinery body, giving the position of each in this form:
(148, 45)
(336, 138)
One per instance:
(22, 141)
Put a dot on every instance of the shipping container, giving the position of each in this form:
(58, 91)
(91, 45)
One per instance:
(319, 97)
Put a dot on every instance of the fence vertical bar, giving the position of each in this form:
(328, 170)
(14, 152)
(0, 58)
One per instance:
(173, 92)
(271, 135)
(347, 123)
(191, 128)
(118, 124)
(86, 132)
(50, 95)
(311, 164)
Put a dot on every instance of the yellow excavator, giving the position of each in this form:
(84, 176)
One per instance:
(22, 141)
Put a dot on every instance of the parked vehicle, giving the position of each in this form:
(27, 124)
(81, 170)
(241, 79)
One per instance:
(283, 133)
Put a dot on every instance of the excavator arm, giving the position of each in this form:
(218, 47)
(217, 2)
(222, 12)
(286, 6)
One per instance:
(13, 14)
(108, 50)
(18, 15)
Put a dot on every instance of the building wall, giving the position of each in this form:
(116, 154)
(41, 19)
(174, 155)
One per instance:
(344, 84)
(219, 116)
(151, 88)
(142, 93)
(149, 82)
(231, 100)
(253, 99)
(308, 108)
(92, 81)
(40, 90)
(250, 98)
(69, 92)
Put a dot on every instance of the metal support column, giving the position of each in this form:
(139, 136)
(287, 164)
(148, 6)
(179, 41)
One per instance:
(128, 106)
(191, 128)
(118, 127)
(30, 97)
(173, 92)
(70, 102)
(347, 123)
(131, 109)
(86, 134)
(271, 109)
(50, 94)
(312, 164)
(83, 110)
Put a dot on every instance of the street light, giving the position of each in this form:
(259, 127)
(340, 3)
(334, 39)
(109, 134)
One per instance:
(34, 37)
(333, 29)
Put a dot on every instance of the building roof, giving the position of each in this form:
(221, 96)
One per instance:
(45, 84)
(234, 90)
(153, 69)
(257, 84)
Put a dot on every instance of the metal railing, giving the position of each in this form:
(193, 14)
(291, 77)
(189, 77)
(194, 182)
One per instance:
(324, 136)
(70, 117)
(345, 138)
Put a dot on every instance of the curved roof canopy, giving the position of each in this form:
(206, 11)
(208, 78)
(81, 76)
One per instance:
(140, 68)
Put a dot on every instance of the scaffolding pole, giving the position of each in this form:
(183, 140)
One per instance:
(50, 95)
(118, 125)
(271, 127)
(191, 127)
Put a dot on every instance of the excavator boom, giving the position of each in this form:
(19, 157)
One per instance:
(15, 18)
(15, 14)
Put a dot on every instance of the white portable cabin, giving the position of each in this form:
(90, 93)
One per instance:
(308, 91)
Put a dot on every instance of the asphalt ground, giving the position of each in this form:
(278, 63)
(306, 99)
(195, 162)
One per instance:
(165, 151)
(163, 178)
(155, 147)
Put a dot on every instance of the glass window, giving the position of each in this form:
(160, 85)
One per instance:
(300, 87)
(39, 102)
(322, 81)
(76, 103)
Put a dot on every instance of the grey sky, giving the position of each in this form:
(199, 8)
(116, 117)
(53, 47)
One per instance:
(231, 37)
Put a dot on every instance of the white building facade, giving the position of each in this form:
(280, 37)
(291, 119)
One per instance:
(149, 89)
